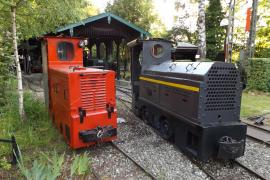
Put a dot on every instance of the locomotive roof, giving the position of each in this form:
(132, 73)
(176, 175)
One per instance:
(69, 69)
(196, 68)
(182, 45)
(140, 41)
(105, 24)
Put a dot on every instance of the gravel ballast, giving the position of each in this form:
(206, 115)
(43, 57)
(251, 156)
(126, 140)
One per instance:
(161, 157)
(109, 163)
(257, 158)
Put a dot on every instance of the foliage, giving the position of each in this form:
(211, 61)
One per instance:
(262, 48)
(80, 165)
(5, 164)
(5, 67)
(182, 31)
(255, 103)
(215, 34)
(37, 17)
(139, 12)
(158, 29)
(263, 43)
(43, 169)
(33, 18)
(35, 132)
(33, 136)
(178, 33)
(259, 74)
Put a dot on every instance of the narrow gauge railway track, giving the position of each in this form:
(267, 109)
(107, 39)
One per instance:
(114, 145)
(125, 91)
(95, 174)
(253, 131)
(248, 169)
(200, 166)
(190, 158)
(124, 87)
(258, 133)
(151, 175)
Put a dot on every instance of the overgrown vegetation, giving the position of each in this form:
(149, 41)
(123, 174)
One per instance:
(35, 132)
(50, 166)
(259, 74)
(45, 168)
(42, 147)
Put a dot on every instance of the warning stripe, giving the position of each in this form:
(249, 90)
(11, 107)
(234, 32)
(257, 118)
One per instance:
(180, 86)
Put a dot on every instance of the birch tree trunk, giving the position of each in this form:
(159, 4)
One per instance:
(18, 67)
(201, 29)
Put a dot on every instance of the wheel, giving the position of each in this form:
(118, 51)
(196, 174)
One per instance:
(145, 115)
(165, 129)
(136, 111)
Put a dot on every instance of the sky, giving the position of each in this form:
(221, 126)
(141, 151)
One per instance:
(164, 8)
(166, 11)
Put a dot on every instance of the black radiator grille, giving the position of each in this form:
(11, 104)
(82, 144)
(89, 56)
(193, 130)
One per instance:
(221, 90)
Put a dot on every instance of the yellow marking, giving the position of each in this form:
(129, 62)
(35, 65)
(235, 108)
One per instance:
(181, 86)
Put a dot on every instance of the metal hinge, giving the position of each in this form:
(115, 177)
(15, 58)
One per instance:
(110, 110)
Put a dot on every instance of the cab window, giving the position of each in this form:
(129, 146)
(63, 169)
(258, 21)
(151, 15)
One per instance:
(65, 51)
(157, 51)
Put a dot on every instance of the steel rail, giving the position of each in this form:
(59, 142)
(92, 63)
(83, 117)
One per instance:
(258, 127)
(248, 169)
(123, 87)
(190, 158)
(150, 174)
(201, 168)
(95, 174)
(126, 154)
(267, 143)
(205, 171)
(125, 92)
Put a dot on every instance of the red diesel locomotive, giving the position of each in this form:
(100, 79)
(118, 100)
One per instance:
(81, 100)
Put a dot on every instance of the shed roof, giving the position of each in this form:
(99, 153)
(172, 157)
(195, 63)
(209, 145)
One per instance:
(104, 16)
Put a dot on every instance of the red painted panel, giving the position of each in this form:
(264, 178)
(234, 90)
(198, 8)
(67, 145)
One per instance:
(72, 86)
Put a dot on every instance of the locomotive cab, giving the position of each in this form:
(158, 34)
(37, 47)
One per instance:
(194, 104)
(81, 101)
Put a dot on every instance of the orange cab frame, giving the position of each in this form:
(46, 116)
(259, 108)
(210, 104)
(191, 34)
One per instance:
(81, 100)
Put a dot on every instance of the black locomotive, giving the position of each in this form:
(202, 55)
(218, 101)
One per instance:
(194, 104)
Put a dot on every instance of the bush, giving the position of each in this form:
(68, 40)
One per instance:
(259, 74)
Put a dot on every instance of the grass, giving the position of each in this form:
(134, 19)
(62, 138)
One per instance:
(42, 147)
(35, 132)
(255, 103)
(33, 136)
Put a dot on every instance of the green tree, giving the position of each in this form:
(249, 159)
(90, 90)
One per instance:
(215, 34)
(182, 31)
(262, 48)
(158, 29)
(179, 33)
(138, 12)
(22, 19)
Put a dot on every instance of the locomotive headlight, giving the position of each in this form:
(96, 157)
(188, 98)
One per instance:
(81, 44)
